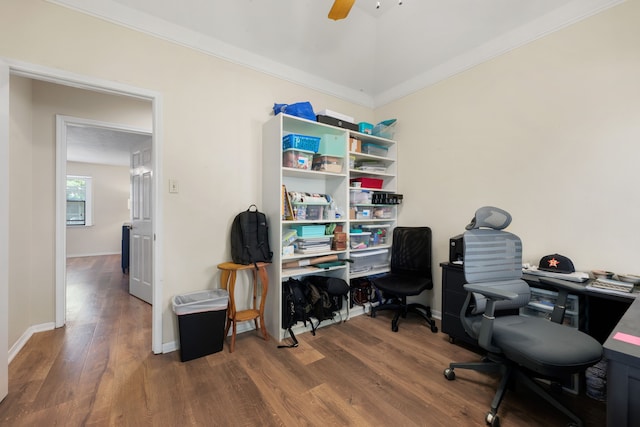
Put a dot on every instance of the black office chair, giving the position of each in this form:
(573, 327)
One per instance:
(520, 348)
(410, 275)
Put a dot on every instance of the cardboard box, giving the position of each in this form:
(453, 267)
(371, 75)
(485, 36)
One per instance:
(339, 241)
(355, 145)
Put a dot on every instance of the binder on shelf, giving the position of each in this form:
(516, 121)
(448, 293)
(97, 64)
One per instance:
(287, 210)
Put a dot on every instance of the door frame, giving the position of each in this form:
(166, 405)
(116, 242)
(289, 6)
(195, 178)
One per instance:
(37, 72)
(62, 122)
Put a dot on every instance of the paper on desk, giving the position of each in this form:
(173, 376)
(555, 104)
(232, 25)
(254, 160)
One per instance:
(612, 292)
(578, 276)
(631, 339)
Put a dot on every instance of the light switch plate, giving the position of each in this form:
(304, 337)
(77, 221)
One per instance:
(173, 186)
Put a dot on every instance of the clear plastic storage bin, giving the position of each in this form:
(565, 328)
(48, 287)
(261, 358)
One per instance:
(369, 260)
(359, 240)
(299, 159)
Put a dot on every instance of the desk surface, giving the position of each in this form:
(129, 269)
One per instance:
(534, 281)
(618, 296)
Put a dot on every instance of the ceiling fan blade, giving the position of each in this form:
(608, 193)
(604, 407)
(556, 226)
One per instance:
(340, 9)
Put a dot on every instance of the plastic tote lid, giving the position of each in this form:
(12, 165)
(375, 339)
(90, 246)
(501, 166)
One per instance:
(200, 301)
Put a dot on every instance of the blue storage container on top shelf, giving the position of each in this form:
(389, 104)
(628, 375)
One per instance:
(301, 142)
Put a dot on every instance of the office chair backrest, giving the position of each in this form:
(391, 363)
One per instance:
(494, 257)
(491, 255)
(411, 251)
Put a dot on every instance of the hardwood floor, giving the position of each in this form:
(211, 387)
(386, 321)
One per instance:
(99, 371)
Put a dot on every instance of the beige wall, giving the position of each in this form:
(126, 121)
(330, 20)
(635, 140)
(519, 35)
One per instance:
(212, 119)
(110, 194)
(549, 132)
(21, 289)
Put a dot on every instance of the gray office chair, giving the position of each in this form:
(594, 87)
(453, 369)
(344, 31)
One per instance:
(520, 348)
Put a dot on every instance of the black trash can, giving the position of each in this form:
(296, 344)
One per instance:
(201, 320)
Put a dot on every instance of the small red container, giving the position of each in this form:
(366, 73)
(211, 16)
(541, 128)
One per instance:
(368, 182)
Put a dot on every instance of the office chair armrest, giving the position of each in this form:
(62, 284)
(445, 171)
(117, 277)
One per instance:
(492, 294)
(489, 292)
(571, 287)
(564, 288)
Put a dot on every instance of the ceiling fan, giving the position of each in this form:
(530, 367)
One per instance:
(340, 9)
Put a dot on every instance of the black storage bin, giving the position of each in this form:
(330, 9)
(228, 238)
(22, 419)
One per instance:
(201, 320)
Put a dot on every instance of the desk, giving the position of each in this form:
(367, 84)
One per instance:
(599, 312)
(623, 371)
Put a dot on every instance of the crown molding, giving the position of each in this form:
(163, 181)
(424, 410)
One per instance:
(560, 18)
(563, 17)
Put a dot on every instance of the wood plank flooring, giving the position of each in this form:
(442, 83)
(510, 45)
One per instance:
(99, 371)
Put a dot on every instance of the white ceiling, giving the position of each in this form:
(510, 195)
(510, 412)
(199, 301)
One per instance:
(371, 58)
(90, 144)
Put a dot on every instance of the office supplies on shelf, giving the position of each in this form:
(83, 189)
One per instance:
(310, 261)
(287, 209)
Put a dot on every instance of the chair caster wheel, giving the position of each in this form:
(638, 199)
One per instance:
(492, 419)
(449, 374)
(434, 329)
(394, 328)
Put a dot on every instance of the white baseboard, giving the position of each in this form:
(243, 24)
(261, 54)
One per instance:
(93, 254)
(22, 341)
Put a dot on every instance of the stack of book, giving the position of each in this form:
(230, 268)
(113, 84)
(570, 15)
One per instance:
(310, 245)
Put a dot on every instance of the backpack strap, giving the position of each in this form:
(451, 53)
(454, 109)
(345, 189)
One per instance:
(246, 226)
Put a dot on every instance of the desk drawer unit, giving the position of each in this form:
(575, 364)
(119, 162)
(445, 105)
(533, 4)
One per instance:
(453, 297)
(541, 304)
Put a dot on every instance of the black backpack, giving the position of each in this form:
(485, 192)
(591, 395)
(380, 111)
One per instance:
(250, 238)
(327, 294)
(296, 306)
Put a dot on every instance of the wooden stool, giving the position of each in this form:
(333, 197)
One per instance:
(228, 281)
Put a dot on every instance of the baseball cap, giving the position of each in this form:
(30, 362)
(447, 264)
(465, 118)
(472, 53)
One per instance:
(556, 263)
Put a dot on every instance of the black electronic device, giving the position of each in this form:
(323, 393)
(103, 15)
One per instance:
(328, 120)
(456, 248)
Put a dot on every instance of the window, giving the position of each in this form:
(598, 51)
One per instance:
(79, 200)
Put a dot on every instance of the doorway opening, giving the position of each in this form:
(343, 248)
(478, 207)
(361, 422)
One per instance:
(37, 73)
(102, 153)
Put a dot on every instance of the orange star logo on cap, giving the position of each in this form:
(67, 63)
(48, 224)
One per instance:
(553, 262)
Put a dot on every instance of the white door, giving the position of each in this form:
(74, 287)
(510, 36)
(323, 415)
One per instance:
(141, 235)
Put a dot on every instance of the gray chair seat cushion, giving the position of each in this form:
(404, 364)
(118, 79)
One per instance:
(542, 346)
